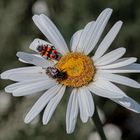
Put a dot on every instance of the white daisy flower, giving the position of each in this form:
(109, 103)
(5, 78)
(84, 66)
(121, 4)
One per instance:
(73, 68)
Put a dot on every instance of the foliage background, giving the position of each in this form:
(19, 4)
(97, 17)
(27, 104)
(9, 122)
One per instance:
(17, 30)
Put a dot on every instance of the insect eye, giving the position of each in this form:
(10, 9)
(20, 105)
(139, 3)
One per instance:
(40, 48)
(54, 70)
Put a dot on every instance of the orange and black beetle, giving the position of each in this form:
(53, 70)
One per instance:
(49, 52)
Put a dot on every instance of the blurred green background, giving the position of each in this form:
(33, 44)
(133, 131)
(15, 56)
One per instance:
(17, 31)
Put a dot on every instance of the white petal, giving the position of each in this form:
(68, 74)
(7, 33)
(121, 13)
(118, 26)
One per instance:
(48, 22)
(84, 37)
(120, 63)
(75, 39)
(89, 100)
(126, 101)
(133, 68)
(97, 88)
(108, 39)
(51, 32)
(97, 30)
(86, 104)
(41, 103)
(84, 114)
(33, 87)
(49, 110)
(106, 85)
(34, 59)
(34, 55)
(10, 88)
(72, 112)
(33, 69)
(36, 42)
(21, 60)
(110, 57)
(119, 79)
(28, 76)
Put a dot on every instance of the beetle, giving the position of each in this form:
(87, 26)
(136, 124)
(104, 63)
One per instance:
(49, 52)
(55, 73)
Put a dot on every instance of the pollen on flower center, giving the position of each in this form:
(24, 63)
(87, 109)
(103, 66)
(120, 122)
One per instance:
(78, 67)
(73, 67)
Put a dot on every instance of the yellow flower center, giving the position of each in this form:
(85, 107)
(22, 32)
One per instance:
(78, 67)
(73, 67)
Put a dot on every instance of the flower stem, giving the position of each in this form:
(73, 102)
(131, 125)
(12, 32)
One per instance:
(98, 124)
